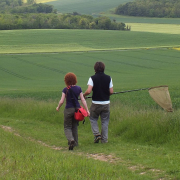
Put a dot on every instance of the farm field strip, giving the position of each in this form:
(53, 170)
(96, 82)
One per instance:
(155, 28)
(142, 20)
(90, 7)
(37, 72)
(43, 41)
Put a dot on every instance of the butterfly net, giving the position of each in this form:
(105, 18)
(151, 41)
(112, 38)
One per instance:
(160, 94)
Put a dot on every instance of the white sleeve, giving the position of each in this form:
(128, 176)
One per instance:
(90, 82)
(111, 84)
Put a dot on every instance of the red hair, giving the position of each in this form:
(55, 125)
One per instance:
(70, 79)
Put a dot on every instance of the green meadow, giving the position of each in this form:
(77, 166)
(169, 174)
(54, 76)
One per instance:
(104, 8)
(143, 138)
(37, 60)
(38, 41)
(84, 6)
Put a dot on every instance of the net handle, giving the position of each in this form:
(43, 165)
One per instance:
(134, 90)
(125, 91)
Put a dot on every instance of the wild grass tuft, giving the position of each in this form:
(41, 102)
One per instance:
(28, 108)
(145, 126)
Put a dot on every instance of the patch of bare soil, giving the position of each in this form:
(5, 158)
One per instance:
(103, 157)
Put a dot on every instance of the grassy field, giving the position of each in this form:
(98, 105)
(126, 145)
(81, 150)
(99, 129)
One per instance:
(45, 72)
(143, 139)
(91, 7)
(34, 62)
(104, 8)
(155, 28)
(140, 20)
(35, 41)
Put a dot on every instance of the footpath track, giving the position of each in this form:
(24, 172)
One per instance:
(99, 156)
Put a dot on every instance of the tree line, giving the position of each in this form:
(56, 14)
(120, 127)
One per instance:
(150, 8)
(57, 21)
(15, 14)
(18, 6)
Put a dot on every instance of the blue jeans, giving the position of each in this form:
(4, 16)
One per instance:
(103, 111)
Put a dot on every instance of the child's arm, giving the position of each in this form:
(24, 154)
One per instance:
(61, 101)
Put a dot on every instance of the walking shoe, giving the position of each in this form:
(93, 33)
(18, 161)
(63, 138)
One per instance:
(71, 145)
(97, 138)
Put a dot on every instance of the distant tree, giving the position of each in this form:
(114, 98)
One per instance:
(6, 5)
(84, 23)
(35, 8)
(150, 8)
(92, 25)
(103, 22)
(43, 8)
(31, 2)
(75, 13)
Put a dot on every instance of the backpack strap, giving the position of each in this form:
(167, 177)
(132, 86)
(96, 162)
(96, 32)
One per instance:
(73, 100)
(71, 93)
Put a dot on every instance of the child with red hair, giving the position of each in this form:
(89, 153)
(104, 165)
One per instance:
(70, 124)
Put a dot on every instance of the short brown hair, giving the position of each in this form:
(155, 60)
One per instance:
(99, 67)
(70, 79)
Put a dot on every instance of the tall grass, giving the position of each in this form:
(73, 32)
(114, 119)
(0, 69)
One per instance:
(29, 109)
(146, 126)
(146, 138)
(151, 126)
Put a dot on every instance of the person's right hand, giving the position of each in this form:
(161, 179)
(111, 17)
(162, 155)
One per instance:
(88, 113)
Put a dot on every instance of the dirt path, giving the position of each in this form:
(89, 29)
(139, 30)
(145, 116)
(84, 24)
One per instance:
(100, 156)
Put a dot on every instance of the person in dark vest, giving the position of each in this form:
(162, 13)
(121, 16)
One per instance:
(102, 87)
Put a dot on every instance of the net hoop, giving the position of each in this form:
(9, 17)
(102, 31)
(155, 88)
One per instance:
(160, 94)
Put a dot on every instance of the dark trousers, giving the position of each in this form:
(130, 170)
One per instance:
(70, 125)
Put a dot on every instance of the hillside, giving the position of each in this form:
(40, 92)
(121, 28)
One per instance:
(143, 139)
(104, 8)
(91, 7)
(150, 8)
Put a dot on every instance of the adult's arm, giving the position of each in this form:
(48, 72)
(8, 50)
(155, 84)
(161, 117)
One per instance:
(88, 91)
(111, 87)
(111, 91)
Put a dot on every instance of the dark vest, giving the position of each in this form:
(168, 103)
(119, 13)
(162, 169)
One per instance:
(100, 87)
